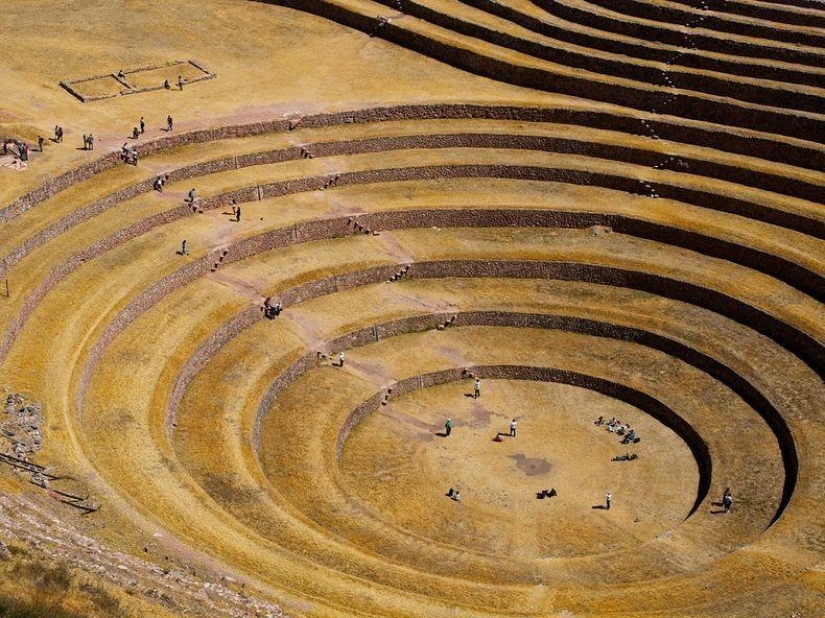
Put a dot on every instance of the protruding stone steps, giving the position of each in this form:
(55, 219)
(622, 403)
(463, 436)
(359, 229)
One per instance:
(469, 22)
(611, 21)
(531, 18)
(518, 69)
(777, 25)
(797, 14)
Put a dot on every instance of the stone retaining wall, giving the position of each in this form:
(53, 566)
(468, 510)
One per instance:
(720, 138)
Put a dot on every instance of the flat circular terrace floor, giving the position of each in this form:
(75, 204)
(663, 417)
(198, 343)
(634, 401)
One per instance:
(399, 465)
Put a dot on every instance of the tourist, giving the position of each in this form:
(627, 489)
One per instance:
(727, 500)
(448, 427)
(142, 124)
(40, 141)
(341, 356)
(169, 123)
(513, 427)
(477, 388)
(238, 214)
(608, 498)
(183, 249)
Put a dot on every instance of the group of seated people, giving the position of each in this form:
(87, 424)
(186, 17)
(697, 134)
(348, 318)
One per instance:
(616, 426)
(128, 155)
(272, 310)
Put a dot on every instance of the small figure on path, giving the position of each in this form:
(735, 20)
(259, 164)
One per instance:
(477, 388)
(448, 427)
(238, 214)
(169, 123)
(608, 498)
(341, 356)
(513, 427)
(166, 84)
(85, 142)
(142, 125)
(191, 196)
(183, 249)
(727, 501)
(158, 185)
(40, 141)
(454, 495)
(135, 133)
(181, 81)
(91, 140)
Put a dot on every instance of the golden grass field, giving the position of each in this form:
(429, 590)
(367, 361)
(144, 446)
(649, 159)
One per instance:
(600, 209)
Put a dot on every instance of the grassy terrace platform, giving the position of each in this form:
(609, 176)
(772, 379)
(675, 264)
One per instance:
(598, 208)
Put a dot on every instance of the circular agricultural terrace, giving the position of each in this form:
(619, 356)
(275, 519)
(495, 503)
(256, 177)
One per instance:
(599, 209)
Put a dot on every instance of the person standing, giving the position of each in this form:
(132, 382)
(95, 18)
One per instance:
(448, 427)
(169, 123)
(183, 249)
(513, 427)
(608, 498)
(727, 501)
(40, 141)
(341, 359)
(238, 214)
(477, 388)
(142, 125)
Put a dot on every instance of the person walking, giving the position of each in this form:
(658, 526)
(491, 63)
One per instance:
(477, 388)
(341, 356)
(608, 498)
(448, 427)
(183, 249)
(168, 123)
(142, 124)
(237, 214)
(513, 427)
